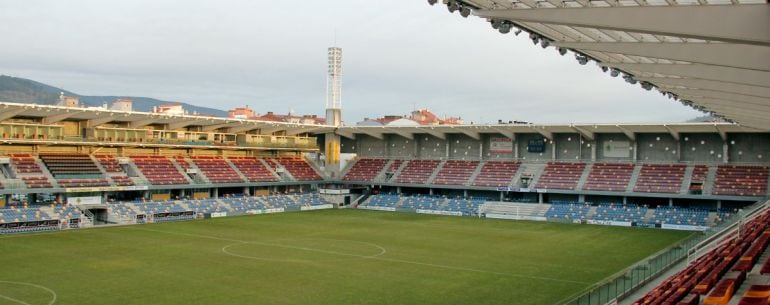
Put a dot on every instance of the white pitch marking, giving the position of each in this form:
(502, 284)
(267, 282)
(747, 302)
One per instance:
(387, 259)
(49, 290)
(13, 300)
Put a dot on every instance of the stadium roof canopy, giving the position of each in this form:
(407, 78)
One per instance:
(100, 116)
(713, 55)
(587, 131)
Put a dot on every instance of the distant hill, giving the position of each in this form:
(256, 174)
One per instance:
(21, 90)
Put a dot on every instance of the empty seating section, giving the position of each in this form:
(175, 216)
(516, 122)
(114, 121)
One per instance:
(74, 170)
(394, 166)
(611, 177)
(365, 169)
(567, 211)
(617, 212)
(466, 206)
(737, 180)
(660, 178)
(25, 163)
(719, 273)
(76, 182)
(417, 171)
(561, 175)
(699, 173)
(159, 170)
(384, 200)
(122, 180)
(496, 173)
(253, 169)
(422, 202)
(456, 172)
(241, 205)
(680, 216)
(182, 161)
(110, 163)
(70, 165)
(299, 168)
(42, 213)
(38, 182)
(216, 169)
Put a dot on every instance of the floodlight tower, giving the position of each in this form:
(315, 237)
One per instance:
(333, 110)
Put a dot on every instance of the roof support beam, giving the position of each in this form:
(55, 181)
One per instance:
(746, 23)
(711, 72)
(751, 56)
(246, 127)
(721, 132)
(505, 132)
(101, 120)
(472, 134)
(404, 134)
(345, 133)
(433, 132)
(265, 129)
(299, 130)
(630, 134)
(182, 123)
(142, 123)
(59, 117)
(585, 133)
(708, 85)
(377, 135)
(213, 127)
(7, 114)
(541, 130)
(674, 133)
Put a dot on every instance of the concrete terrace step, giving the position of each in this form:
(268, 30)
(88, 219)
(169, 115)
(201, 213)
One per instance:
(584, 176)
(634, 178)
(687, 179)
(475, 173)
(435, 172)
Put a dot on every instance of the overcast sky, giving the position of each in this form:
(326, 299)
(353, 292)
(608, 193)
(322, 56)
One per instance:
(271, 55)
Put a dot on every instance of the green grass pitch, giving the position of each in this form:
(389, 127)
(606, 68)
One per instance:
(320, 257)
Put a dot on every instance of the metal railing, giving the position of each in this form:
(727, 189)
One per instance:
(625, 282)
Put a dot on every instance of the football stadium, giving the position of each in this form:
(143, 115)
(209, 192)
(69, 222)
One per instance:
(109, 205)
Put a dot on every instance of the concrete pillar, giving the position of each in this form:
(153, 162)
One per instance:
(553, 149)
(502, 196)
(216, 193)
(481, 150)
(636, 150)
(465, 193)
(398, 190)
(679, 150)
(516, 149)
(593, 151)
(670, 202)
(582, 198)
(446, 154)
(539, 197)
(625, 200)
(246, 191)
(332, 151)
(430, 191)
(719, 204)
(181, 193)
(725, 150)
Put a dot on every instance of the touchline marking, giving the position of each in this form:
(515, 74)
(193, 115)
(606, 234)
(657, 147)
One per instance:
(49, 290)
(378, 258)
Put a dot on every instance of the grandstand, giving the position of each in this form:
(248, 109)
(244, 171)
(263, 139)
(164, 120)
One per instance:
(695, 194)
